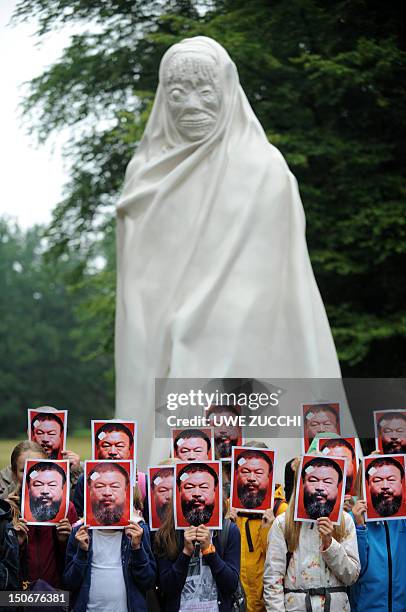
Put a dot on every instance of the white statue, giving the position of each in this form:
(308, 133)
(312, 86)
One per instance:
(214, 276)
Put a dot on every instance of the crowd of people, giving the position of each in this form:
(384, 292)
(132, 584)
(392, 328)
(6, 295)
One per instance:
(258, 562)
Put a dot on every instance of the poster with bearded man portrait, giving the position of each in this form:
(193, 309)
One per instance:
(198, 494)
(384, 487)
(48, 429)
(161, 479)
(390, 431)
(320, 488)
(114, 439)
(252, 471)
(108, 494)
(45, 497)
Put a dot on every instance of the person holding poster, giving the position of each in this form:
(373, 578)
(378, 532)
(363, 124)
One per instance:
(252, 479)
(108, 494)
(390, 431)
(382, 551)
(198, 569)
(48, 429)
(110, 569)
(308, 566)
(192, 444)
(160, 494)
(113, 440)
(50, 539)
(384, 487)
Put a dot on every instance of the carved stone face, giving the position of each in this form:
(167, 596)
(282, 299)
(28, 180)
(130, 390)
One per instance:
(193, 95)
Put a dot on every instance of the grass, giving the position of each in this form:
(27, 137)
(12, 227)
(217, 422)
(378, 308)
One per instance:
(77, 443)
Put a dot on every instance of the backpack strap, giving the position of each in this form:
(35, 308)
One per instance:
(222, 536)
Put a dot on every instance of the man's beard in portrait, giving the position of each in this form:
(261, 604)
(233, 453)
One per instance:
(107, 515)
(317, 508)
(224, 446)
(394, 447)
(52, 453)
(162, 511)
(196, 516)
(42, 512)
(250, 499)
(386, 506)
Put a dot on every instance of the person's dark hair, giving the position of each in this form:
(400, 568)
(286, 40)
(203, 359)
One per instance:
(322, 462)
(336, 443)
(193, 467)
(216, 409)
(380, 461)
(109, 466)
(316, 408)
(192, 433)
(46, 416)
(389, 416)
(45, 466)
(255, 454)
(162, 473)
(23, 447)
(109, 427)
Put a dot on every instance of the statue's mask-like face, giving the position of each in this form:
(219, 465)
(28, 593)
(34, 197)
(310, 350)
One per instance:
(193, 94)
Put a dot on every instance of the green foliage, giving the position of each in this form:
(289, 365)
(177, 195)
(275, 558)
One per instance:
(38, 350)
(326, 80)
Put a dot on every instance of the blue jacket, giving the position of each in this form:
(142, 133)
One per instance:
(225, 568)
(139, 571)
(381, 586)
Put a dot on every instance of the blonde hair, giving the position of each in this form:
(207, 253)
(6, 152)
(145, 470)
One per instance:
(292, 527)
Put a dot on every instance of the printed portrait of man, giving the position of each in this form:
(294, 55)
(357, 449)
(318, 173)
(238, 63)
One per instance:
(197, 486)
(321, 478)
(162, 491)
(114, 441)
(339, 447)
(320, 418)
(45, 482)
(391, 428)
(226, 435)
(47, 429)
(192, 445)
(253, 470)
(108, 485)
(384, 477)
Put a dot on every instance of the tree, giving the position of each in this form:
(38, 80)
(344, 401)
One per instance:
(326, 81)
(39, 353)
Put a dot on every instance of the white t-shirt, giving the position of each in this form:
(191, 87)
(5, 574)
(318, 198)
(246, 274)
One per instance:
(107, 587)
(199, 593)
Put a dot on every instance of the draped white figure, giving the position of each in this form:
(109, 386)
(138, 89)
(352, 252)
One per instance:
(214, 276)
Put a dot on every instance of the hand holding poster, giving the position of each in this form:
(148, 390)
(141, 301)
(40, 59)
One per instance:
(108, 494)
(385, 487)
(390, 431)
(47, 427)
(320, 488)
(198, 494)
(345, 448)
(193, 444)
(160, 493)
(252, 472)
(114, 440)
(319, 418)
(45, 498)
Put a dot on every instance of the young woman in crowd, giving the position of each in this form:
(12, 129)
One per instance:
(42, 548)
(310, 565)
(196, 566)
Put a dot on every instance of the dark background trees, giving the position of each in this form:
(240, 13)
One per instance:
(326, 80)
